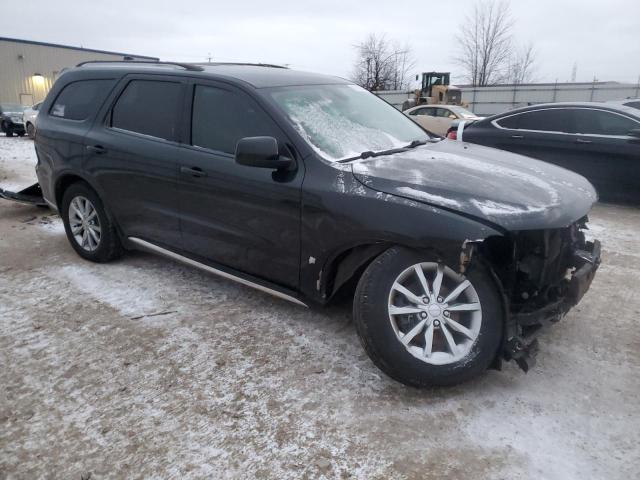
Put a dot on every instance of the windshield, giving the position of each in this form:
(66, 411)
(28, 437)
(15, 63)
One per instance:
(11, 107)
(463, 112)
(342, 121)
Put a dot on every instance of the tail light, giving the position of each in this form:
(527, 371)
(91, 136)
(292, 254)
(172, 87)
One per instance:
(452, 134)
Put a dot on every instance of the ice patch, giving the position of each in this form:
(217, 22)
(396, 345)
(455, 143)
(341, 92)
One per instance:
(428, 197)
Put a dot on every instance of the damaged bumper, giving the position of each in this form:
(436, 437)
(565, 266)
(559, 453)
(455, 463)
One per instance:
(523, 347)
(31, 196)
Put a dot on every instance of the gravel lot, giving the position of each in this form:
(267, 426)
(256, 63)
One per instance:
(229, 382)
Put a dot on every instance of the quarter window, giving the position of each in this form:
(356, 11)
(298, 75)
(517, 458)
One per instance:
(78, 100)
(221, 118)
(149, 107)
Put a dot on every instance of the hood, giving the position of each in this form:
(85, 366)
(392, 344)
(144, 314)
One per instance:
(512, 191)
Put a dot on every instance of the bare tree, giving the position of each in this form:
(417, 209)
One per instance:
(522, 65)
(486, 43)
(382, 65)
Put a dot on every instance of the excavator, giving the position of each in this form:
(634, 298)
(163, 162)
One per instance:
(436, 89)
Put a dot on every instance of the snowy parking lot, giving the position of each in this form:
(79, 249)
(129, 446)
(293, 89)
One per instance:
(145, 368)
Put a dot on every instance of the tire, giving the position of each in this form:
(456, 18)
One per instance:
(31, 131)
(9, 133)
(381, 331)
(108, 246)
(21, 134)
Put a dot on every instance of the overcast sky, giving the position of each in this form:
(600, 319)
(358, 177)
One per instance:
(601, 37)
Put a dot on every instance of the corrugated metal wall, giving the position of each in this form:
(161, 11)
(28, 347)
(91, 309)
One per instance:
(500, 98)
(20, 61)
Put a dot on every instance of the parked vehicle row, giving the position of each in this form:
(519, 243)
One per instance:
(11, 121)
(306, 186)
(598, 140)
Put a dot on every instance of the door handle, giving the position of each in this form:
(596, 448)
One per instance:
(519, 137)
(194, 171)
(97, 149)
(582, 140)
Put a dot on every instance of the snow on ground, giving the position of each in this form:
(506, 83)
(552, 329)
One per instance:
(146, 368)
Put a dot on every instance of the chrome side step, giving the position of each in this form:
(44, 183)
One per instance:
(188, 261)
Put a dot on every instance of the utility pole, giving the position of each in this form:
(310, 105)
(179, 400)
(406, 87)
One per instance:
(574, 71)
(209, 58)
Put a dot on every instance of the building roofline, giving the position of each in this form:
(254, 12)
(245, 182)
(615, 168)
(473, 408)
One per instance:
(81, 49)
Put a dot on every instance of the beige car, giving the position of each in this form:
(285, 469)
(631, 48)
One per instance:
(438, 118)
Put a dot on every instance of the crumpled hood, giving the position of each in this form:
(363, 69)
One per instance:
(512, 191)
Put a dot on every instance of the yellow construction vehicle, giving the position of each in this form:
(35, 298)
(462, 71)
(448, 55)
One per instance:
(436, 89)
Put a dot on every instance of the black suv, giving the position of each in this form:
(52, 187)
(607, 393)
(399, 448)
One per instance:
(307, 186)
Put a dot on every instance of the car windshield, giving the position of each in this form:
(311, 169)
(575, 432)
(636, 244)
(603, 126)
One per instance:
(343, 121)
(11, 107)
(463, 112)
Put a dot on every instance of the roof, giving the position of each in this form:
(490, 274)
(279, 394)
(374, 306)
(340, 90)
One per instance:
(256, 75)
(91, 50)
(268, 76)
(601, 105)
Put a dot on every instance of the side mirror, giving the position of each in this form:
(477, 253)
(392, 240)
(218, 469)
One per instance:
(452, 116)
(634, 133)
(261, 152)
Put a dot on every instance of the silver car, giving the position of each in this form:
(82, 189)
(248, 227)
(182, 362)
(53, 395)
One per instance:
(29, 117)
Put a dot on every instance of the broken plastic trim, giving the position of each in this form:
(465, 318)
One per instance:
(30, 196)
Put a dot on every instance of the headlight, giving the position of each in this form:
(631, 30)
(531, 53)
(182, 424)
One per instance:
(16, 119)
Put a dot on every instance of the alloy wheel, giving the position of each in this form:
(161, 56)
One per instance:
(84, 223)
(435, 313)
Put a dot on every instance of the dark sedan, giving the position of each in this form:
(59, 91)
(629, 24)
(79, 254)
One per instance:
(598, 140)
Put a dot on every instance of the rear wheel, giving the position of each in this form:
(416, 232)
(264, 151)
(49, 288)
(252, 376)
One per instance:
(424, 324)
(90, 230)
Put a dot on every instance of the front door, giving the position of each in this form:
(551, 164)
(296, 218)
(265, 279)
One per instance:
(242, 217)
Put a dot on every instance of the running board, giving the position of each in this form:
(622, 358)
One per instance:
(31, 196)
(188, 261)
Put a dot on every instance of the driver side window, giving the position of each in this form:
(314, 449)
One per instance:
(222, 117)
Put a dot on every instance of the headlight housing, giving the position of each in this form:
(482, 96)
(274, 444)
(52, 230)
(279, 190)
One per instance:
(16, 119)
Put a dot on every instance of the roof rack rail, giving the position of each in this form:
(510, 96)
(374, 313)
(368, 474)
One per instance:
(186, 66)
(241, 64)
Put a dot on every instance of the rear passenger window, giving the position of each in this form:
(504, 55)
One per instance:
(78, 100)
(221, 118)
(149, 107)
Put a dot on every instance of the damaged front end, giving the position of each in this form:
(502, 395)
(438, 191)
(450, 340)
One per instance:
(544, 273)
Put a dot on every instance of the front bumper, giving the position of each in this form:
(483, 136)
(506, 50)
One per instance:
(523, 347)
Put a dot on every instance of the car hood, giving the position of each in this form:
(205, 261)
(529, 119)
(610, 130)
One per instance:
(508, 190)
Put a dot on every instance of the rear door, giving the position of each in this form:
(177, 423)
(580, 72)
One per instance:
(242, 217)
(133, 151)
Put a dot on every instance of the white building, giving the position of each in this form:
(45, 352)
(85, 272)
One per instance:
(28, 68)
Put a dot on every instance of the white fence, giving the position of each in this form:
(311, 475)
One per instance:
(500, 98)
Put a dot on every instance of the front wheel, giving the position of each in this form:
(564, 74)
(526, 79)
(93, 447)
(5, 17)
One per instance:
(424, 324)
(31, 130)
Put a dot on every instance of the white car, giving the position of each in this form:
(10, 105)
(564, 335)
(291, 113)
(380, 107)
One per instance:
(438, 118)
(29, 117)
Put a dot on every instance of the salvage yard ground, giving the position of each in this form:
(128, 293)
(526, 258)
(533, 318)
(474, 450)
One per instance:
(145, 368)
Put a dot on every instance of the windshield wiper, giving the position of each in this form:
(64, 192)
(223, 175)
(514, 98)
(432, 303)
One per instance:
(370, 154)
